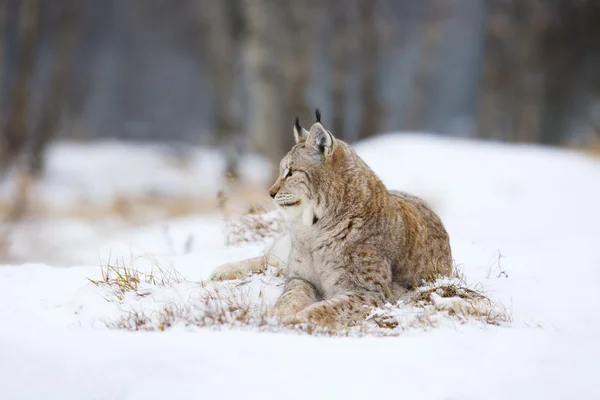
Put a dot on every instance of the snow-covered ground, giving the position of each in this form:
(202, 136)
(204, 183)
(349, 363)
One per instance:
(116, 184)
(523, 223)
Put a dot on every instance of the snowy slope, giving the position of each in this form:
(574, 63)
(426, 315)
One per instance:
(536, 207)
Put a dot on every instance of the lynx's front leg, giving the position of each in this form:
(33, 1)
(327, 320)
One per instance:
(297, 295)
(276, 256)
(358, 288)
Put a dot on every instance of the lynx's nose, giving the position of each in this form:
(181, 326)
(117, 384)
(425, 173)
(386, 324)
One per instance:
(273, 190)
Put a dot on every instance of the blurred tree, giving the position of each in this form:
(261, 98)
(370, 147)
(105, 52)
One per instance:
(15, 132)
(142, 29)
(94, 31)
(496, 72)
(529, 19)
(426, 68)
(571, 49)
(279, 57)
(512, 76)
(369, 65)
(2, 67)
(341, 50)
(263, 48)
(220, 36)
(141, 64)
(540, 63)
(55, 97)
(301, 28)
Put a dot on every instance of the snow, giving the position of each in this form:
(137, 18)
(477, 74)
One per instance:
(523, 225)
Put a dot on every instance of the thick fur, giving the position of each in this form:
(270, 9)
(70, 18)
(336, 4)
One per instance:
(354, 244)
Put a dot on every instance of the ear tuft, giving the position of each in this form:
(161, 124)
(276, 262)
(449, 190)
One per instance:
(300, 134)
(318, 115)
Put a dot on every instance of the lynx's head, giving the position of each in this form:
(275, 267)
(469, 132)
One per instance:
(310, 173)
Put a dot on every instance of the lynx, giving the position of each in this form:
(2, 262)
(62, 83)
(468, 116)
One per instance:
(353, 244)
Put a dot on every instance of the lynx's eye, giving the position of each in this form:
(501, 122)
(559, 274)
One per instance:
(288, 173)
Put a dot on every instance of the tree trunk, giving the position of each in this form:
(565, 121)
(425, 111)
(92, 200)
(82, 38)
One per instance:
(571, 62)
(512, 85)
(424, 78)
(371, 109)
(220, 57)
(491, 110)
(528, 82)
(266, 78)
(301, 33)
(55, 97)
(341, 50)
(2, 66)
(16, 130)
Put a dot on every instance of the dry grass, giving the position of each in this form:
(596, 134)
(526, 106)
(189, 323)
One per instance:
(254, 227)
(122, 278)
(210, 304)
(150, 298)
(236, 199)
(261, 220)
(439, 302)
(243, 304)
(212, 308)
(133, 209)
(444, 301)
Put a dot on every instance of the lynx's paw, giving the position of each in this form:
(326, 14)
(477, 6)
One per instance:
(229, 272)
(239, 269)
(305, 318)
(309, 316)
(289, 316)
(283, 312)
(290, 321)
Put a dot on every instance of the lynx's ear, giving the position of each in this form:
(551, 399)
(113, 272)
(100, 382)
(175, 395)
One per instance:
(300, 134)
(321, 138)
